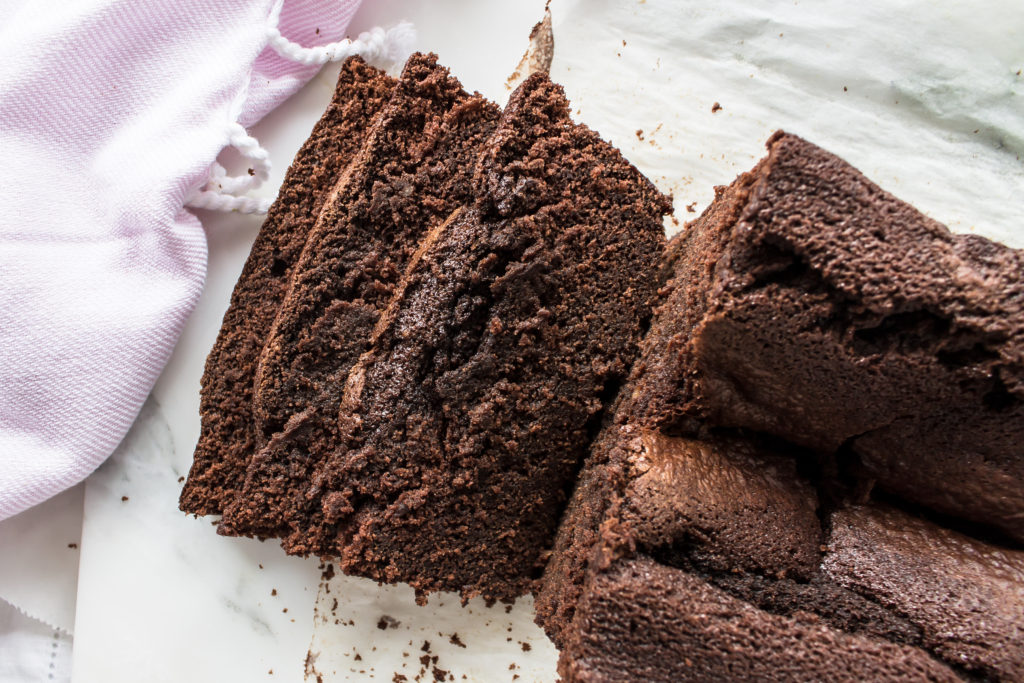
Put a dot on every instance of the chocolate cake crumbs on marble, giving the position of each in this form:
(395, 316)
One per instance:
(228, 438)
(413, 170)
(464, 424)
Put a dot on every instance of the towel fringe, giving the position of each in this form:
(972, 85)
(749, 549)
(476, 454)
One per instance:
(223, 192)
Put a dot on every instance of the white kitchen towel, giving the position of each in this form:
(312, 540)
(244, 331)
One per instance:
(112, 113)
(31, 651)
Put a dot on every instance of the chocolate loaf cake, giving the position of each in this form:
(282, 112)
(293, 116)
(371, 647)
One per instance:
(696, 551)
(413, 170)
(227, 438)
(464, 424)
(825, 311)
(715, 545)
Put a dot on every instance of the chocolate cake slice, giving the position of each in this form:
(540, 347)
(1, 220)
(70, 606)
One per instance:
(643, 621)
(823, 310)
(966, 596)
(696, 551)
(413, 170)
(714, 544)
(227, 438)
(464, 424)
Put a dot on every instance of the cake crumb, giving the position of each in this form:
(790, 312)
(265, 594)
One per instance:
(715, 108)
(692, 207)
(72, 545)
(124, 499)
(273, 591)
(455, 640)
(181, 479)
(640, 134)
(526, 646)
(387, 622)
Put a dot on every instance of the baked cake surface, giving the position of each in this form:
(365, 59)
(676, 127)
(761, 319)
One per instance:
(464, 424)
(413, 170)
(692, 551)
(823, 310)
(227, 438)
(643, 621)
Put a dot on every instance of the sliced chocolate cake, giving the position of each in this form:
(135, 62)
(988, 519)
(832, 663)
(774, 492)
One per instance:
(464, 424)
(694, 552)
(227, 438)
(966, 596)
(644, 621)
(821, 309)
(414, 169)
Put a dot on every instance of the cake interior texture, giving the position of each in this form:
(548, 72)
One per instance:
(465, 423)
(412, 171)
(735, 547)
(228, 437)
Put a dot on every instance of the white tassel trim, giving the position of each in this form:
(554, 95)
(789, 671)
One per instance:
(222, 192)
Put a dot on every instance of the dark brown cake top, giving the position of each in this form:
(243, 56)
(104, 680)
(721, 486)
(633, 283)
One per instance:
(966, 596)
(643, 621)
(818, 308)
(736, 505)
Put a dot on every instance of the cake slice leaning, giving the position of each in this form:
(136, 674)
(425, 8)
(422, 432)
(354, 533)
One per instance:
(413, 170)
(227, 436)
(463, 426)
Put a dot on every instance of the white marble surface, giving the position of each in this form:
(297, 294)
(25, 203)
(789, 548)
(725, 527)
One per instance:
(162, 597)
